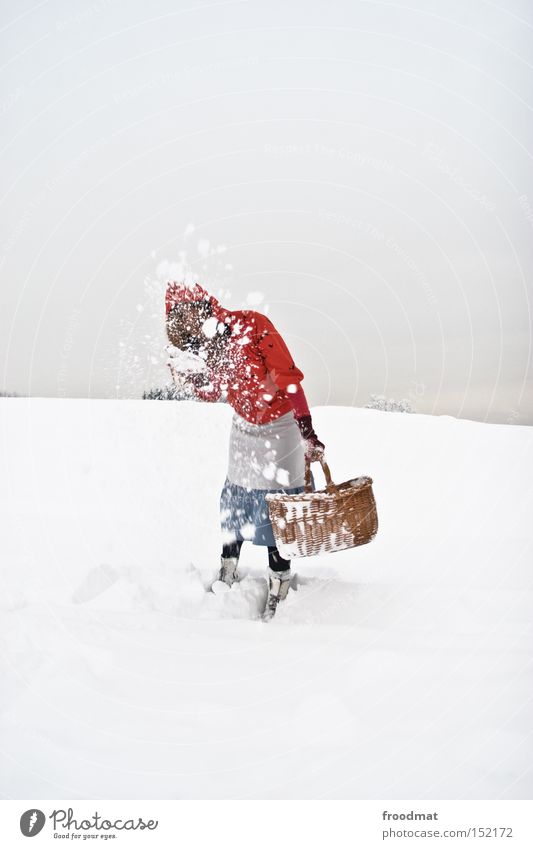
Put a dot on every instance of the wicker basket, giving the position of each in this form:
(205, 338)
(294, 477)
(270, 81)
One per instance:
(338, 517)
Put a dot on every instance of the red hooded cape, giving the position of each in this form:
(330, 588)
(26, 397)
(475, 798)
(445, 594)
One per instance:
(259, 375)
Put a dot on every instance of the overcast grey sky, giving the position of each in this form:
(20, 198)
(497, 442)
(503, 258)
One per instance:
(361, 171)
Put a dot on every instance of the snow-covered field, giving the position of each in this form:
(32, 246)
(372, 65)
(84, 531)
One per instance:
(401, 669)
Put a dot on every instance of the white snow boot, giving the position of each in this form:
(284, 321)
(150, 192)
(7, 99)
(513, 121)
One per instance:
(227, 575)
(278, 587)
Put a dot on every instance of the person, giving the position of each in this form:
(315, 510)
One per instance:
(247, 363)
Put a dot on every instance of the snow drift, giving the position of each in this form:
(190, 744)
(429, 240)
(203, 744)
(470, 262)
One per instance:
(396, 670)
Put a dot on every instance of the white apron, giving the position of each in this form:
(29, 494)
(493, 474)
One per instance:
(266, 456)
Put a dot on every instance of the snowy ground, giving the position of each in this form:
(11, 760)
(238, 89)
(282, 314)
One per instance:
(397, 670)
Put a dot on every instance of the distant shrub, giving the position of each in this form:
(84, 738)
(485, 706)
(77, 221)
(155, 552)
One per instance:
(4, 394)
(174, 393)
(379, 402)
(170, 393)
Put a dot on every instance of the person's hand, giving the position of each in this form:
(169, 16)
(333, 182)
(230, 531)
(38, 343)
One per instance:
(314, 448)
(184, 361)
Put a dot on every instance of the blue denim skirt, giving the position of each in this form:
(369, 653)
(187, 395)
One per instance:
(244, 513)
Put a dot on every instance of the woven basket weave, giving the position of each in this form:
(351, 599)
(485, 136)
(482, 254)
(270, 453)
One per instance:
(340, 516)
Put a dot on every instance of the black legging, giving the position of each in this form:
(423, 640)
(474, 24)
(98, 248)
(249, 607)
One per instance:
(276, 562)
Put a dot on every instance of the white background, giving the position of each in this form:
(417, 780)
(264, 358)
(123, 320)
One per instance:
(366, 166)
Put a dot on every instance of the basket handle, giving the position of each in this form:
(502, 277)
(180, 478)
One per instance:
(325, 468)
